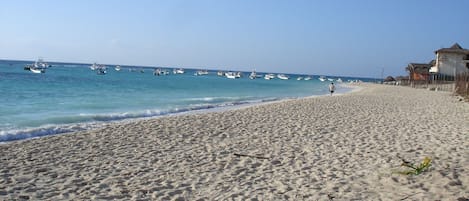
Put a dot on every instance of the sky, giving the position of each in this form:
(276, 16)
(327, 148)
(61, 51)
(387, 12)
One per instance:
(361, 38)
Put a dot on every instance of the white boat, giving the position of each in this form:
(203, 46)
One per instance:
(221, 73)
(201, 72)
(231, 75)
(308, 78)
(37, 70)
(239, 74)
(101, 70)
(299, 78)
(94, 66)
(269, 76)
(253, 75)
(39, 66)
(283, 77)
(117, 68)
(157, 72)
(178, 71)
(322, 78)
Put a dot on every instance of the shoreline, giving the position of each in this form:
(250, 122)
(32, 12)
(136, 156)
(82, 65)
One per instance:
(347, 147)
(52, 129)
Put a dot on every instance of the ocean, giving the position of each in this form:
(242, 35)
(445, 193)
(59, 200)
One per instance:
(72, 97)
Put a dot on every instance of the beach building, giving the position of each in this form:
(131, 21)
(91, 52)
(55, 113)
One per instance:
(419, 71)
(451, 61)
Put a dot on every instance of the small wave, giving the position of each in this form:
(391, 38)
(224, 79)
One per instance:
(92, 121)
(20, 134)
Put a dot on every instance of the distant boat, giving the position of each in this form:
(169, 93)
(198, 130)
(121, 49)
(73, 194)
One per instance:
(157, 72)
(283, 77)
(269, 76)
(37, 70)
(308, 78)
(39, 66)
(178, 71)
(101, 70)
(117, 68)
(253, 75)
(231, 75)
(322, 78)
(299, 78)
(221, 73)
(201, 72)
(94, 66)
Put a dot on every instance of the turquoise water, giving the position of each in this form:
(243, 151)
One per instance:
(72, 97)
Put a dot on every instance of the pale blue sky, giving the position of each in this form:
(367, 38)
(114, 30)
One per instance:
(329, 37)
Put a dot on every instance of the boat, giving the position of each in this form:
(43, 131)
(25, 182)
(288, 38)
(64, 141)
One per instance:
(94, 66)
(165, 72)
(269, 76)
(299, 78)
(221, 73)
(39, 66)
(178, 71)
(37, 70)
(117, 68)
(231, 75)
(253, 75)
(283, 77)
(101, 70)
(322, 78)
(308, 78)
(239, 74)
(201, 72)
(157, 72)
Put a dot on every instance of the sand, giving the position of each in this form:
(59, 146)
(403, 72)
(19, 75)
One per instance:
(345, 147)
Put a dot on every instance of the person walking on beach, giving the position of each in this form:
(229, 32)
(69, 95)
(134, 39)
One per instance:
(331, 88)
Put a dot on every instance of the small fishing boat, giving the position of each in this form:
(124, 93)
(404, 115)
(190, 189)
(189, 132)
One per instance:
(283, 77)
(94, 67)
(269, 76)
(39, 66)
(157, 72)
(101, 70)
(221, 73)
(117, 68)
(178, 71)
(231, 75)
(37, 70)
(201, 72)
(253, 75)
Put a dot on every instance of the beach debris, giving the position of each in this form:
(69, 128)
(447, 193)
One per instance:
(251, 156)
(415, 169)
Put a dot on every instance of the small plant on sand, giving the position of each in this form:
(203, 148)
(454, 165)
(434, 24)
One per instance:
(415, 169)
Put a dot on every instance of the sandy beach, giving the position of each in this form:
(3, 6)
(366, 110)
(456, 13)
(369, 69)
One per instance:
(346, 147)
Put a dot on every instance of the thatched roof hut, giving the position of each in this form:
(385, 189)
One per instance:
(389, 79)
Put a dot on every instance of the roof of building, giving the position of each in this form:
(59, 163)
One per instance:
(419, 67)
(456, 48)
